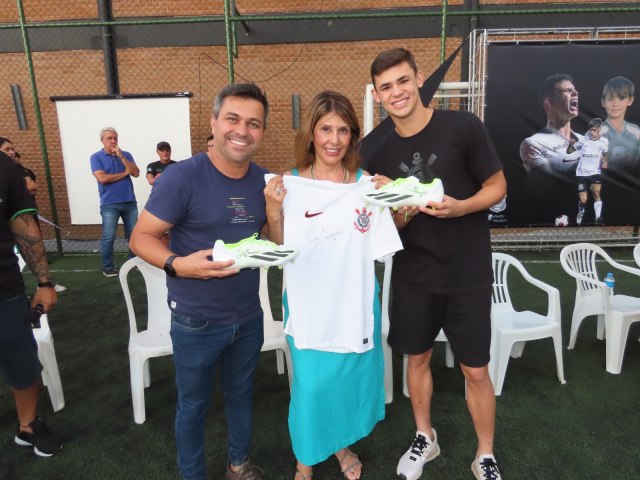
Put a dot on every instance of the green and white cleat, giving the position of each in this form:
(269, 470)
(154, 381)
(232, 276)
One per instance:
(406, 192)
(253, 253)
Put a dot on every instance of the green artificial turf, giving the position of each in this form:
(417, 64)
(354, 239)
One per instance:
(587, 428)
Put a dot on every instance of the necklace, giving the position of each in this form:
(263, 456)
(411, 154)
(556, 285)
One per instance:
(345, 176)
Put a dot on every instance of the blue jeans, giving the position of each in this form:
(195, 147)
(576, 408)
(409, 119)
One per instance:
(110, 215)
(198, 346)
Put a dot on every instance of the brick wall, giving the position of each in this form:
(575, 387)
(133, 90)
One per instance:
(282, 70)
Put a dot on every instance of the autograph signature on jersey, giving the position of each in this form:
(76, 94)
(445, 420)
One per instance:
(318, 236)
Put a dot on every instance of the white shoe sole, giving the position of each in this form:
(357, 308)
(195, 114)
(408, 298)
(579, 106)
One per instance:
(22, 443)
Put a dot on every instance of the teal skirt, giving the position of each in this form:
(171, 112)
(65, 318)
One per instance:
(336, 398)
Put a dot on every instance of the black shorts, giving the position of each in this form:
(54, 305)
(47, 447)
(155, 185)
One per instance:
(18, 348)
(584, 183)
(418, 315)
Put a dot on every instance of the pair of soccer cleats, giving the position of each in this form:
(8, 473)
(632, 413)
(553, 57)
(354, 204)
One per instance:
(253, 253)
(406, 192)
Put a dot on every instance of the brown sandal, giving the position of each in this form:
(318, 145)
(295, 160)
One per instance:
(348, 469)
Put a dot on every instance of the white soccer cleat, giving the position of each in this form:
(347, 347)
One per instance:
(253, 253)
(406, 192)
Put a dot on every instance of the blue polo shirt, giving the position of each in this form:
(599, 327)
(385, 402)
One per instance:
(203, 205)
(116, 192)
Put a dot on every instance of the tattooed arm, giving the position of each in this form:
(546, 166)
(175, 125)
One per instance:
(28, 237)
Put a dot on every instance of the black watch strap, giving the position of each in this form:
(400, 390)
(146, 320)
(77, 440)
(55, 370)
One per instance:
(47, 284)
(168, 266)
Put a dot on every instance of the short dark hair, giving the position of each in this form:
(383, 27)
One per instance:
(242, 90)
(27, 172)
(323, 103)
(548, 87)
(4, 140)
(209, 138)
(620, 87)
(594, 123)
(390, 58)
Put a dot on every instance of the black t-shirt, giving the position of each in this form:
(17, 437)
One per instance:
(443, 255)
(14, 199)
(154, 168)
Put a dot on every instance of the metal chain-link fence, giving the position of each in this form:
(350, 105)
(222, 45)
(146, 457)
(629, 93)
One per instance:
(291, 49)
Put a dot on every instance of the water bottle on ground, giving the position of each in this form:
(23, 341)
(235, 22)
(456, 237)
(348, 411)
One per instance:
(610, 282)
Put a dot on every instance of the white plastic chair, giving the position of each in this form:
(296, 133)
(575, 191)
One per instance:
(47, 356)
(152, 342)
(386, 348)
(274, 338)
(511, 328)
(21, 262)
(593, 298)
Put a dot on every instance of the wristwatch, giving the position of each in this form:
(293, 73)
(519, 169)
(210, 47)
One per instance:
(168, 266)
(47, 284)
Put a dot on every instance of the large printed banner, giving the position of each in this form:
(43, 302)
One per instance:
(543, 102)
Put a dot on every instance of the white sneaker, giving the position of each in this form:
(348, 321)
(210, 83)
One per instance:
(59, 288)
(406, 192)
(486, 468)
(422, 450)
(253, 253)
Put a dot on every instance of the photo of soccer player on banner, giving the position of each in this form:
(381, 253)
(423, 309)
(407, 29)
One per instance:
(539, 116)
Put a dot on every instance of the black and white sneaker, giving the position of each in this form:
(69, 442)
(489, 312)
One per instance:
(422, 450)
(486, 468)
(44, 442)
(110, 272)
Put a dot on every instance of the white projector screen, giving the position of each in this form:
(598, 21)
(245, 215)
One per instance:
(140, 122)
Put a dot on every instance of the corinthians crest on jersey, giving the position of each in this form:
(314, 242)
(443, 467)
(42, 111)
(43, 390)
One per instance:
(363, 222)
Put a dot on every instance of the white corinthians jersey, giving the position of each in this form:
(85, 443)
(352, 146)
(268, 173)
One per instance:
(591, 152)
(330, 285)
(548, 149)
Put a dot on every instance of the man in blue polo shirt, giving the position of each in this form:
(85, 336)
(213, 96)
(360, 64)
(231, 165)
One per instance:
(113, 169)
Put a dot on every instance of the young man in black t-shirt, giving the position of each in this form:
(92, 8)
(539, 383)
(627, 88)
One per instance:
(443, 277)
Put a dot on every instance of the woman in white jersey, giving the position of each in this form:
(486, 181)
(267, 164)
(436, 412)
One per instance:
(331, 305)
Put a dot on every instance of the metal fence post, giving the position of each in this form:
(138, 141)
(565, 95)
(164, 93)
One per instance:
(38, 114)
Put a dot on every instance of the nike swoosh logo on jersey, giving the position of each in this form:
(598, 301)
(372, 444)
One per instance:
(310, 215)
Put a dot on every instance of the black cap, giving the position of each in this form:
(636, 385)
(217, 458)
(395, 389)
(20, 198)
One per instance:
(162, 145)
